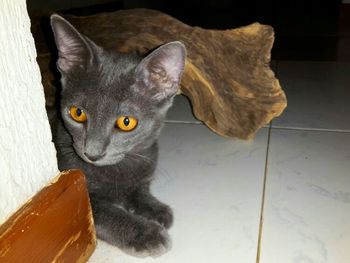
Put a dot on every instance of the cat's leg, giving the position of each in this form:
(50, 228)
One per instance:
(143, 203)
(132, 233)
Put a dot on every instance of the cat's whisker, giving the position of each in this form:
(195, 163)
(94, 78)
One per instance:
(143, 157)
(160, 170)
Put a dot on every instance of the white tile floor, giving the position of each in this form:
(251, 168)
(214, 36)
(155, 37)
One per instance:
(318, 95)
(216, 185)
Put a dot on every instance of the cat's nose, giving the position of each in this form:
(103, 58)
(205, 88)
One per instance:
(94, 157)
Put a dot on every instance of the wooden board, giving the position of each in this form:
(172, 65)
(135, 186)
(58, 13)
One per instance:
(56, 225)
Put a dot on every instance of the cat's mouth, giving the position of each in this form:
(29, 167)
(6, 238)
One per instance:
(105, 160)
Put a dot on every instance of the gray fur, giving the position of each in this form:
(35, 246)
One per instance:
(118, 165)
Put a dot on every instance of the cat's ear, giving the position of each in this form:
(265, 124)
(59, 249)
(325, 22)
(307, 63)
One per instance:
(162, 69)
(74, 50)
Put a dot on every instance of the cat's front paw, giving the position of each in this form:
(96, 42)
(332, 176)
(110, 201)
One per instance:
(148, 239)
(160, 213)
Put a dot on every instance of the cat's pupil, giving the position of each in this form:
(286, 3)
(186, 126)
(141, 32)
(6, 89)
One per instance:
(79, 111)
(126, 121)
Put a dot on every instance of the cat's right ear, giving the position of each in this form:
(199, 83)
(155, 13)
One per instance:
(74, 50)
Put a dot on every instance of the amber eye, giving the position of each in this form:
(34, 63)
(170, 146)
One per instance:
(77, 114)
(126, 123)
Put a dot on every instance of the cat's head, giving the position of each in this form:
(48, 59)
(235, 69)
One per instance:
(111, 103)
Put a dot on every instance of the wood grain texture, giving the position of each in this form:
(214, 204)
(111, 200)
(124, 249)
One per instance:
(227, 75)
(56, 225)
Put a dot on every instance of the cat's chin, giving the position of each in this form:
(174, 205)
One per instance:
(108, 161)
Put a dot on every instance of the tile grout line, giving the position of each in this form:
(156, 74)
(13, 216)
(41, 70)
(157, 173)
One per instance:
(198, 123)
(310, 129)
(269, 126)
(263, 196)
(183, 122)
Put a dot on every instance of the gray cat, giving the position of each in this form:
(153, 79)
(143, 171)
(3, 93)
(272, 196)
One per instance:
(112, 110)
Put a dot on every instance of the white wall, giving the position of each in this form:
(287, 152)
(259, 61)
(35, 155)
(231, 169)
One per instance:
(27, 156)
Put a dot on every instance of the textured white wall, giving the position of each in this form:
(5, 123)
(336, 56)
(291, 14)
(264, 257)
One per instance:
(27, 156)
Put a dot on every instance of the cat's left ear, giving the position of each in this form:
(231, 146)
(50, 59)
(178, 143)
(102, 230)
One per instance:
(75, 51)
(162, 69)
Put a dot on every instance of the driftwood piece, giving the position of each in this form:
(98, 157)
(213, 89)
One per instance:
(227, 76)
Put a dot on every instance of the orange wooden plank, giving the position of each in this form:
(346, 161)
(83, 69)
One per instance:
(56, 225)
